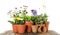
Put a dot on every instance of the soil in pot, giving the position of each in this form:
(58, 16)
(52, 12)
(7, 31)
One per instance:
(14, 26)
(21, 28)
(34, 28)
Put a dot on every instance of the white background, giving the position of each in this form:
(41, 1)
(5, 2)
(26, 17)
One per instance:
(52, 9)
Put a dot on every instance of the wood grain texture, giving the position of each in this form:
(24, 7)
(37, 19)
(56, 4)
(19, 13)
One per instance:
(10, 32)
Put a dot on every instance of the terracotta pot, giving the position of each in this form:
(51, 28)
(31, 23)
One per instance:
(14, 26)
(41, 24)
(41, 27)
(21, 28)
(47, 25)
(44, 29)
(29, 29)
(34, 28)
(28, 24)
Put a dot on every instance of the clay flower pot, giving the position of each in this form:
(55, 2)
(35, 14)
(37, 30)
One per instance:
(28, 24)
(34, 28)
(21, 28)
(42, 28)
(14, 26)
(41, 24)
(47, 25)
(29, 28)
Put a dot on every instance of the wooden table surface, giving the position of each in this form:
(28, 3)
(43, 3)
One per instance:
(10, 32)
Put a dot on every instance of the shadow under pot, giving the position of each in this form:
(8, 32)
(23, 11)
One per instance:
(21, 28)
(28, 24)
(34, 28)
(14, 26)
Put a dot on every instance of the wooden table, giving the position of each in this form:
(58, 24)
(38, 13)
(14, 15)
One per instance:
(10, 32)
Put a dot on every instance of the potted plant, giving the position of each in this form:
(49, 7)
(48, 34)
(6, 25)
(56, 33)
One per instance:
(15, 16)
(45, 21)
(16, 19)
(27, 20)
(41, 27)
(21, 26)
(28, 23)
(36, 21)
(14, 24)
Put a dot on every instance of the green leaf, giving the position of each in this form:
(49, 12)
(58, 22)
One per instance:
(21, 21)
(11, 22)
(16, 21)
(45, 15)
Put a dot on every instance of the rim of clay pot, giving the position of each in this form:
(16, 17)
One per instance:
(29, 21)
(21, 25)
(41, 24)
